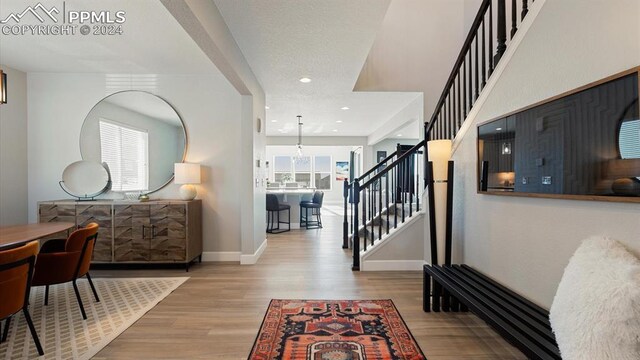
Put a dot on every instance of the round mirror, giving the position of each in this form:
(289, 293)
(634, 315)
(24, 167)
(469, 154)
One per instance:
(629, 134)
(139, 136)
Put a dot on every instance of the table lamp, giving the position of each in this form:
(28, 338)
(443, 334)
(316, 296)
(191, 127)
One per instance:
(187, 174)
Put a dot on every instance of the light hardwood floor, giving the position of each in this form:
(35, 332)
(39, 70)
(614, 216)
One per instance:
(216, 314)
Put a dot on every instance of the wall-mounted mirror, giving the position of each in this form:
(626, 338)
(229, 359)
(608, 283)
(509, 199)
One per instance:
(139, 136)
(584, 143)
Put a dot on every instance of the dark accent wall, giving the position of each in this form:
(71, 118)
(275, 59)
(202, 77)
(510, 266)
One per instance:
(570, 140)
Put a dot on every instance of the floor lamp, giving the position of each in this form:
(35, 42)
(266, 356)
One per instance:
(439, 154)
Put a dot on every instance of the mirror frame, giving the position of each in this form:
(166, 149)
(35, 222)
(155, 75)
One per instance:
(619, 199)
(184, 132)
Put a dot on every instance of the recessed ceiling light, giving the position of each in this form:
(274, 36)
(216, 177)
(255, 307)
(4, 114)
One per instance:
(344, 108)
(399, 134)
(335, 130)
(305, 80)
(267, 108)
(338, 121)
(274, 120)
(498, 129)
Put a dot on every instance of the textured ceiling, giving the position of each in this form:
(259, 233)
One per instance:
(327, 41)
(152, 42)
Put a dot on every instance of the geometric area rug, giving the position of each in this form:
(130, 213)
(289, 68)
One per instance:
(336, 330)
(62, 331)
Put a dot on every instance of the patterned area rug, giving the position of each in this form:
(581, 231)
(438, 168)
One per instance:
(334, 330)
(63, 333)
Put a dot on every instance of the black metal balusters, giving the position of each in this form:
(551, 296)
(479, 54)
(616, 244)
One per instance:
(514, 18)
(501, 31)
(345, 221)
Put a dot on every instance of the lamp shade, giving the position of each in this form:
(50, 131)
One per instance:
(186, 173)
(439, 154)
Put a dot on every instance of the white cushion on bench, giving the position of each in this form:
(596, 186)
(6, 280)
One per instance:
(596, 311)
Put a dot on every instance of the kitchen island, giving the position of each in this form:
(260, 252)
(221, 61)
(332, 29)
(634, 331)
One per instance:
(292, 197)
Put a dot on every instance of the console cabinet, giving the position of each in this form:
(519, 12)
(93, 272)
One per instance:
(163, 231)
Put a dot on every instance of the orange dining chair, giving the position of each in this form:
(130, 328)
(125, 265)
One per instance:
(16, 269)
(66, 260)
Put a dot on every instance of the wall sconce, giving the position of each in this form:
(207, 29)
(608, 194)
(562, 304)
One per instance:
(187, 175)
(439, 155)
(3, 87)
(506, 148)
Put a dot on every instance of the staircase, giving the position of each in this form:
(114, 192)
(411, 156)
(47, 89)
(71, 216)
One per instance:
(398, 181)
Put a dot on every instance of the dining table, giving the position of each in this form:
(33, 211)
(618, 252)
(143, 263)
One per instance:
(18, 235)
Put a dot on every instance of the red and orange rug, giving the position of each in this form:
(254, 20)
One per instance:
(334, 330)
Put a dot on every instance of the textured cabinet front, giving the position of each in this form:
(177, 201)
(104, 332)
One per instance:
(168, 223)
(52, 212)
(159, 231)
(100, 214)
(132, 233)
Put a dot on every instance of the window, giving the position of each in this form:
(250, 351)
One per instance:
(302, 171)
(322, 172)
(282, 169)
(307, 171)
(125, 150)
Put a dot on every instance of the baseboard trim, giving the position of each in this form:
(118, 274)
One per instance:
(253, 258)
(221, 256)
(392, 265)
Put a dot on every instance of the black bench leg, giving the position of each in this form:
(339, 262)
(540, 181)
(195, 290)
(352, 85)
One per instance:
(455, 304)
(446, 298)
(426, 292)
(435, 304)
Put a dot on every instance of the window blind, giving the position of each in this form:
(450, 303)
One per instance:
(125, 150)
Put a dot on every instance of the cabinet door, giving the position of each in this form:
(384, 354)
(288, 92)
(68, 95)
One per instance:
(100, 214)
(57, 213)
(132, 233)
(168, 241)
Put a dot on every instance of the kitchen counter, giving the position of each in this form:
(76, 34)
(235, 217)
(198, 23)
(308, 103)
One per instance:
(292, 197)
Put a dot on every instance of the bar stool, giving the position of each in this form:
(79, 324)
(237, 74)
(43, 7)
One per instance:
(273, 210)
(315, 205)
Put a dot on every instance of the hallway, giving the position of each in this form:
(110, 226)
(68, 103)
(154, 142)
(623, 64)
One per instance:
(217, 313)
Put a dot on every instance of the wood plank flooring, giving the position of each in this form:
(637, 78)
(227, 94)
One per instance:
(216, 314)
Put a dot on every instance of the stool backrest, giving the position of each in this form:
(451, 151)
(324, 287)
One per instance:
(317, 197)
(272, 202)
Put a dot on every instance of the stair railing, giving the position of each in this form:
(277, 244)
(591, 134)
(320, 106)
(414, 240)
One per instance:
(369, 196)
(383, 198)
(347, 229)
(475, 64)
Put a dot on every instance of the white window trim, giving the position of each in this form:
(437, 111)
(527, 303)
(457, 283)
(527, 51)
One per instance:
(146, 160)
(312, 173)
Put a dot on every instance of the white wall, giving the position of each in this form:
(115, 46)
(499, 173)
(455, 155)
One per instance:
(13, 150)
(525, 242)
(416, 46)
(209, 106)
(337, 153)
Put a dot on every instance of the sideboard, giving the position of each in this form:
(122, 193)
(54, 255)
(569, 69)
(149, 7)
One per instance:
(157, 231)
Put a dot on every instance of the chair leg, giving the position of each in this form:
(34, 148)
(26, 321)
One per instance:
(5, 333)
(46, 295)
(289, 218)
(75, 288)
(32, 328)
(93, 288)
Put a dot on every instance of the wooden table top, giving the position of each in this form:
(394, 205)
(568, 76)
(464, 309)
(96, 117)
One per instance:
(17, 235)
